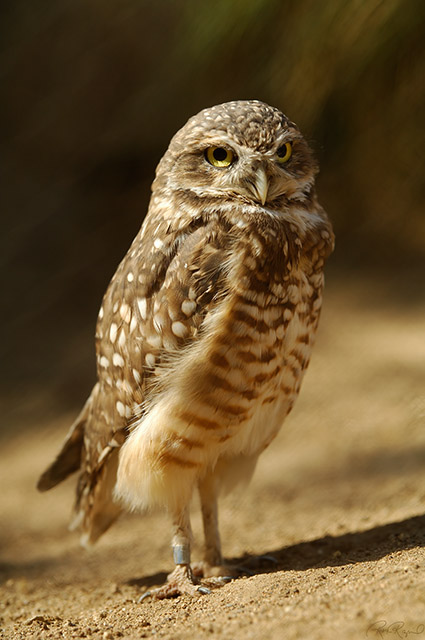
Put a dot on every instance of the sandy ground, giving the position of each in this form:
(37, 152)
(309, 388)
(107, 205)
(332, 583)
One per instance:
(338, 500)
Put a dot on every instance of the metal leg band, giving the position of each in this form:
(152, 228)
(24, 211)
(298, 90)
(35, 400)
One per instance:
(181, 554)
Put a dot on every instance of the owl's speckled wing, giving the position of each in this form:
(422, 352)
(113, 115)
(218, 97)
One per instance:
(169, 280)
(154, 307)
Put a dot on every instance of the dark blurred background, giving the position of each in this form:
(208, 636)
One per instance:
(92, 91)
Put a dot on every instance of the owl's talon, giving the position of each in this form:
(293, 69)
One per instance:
(148, 594)
(225, 579)
(258, 562)
(204, 590)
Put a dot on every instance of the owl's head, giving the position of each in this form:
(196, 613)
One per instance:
(245, 150)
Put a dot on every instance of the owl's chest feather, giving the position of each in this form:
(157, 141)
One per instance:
(257, 346)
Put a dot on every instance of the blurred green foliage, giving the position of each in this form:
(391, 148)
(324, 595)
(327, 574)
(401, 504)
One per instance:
(92, 91)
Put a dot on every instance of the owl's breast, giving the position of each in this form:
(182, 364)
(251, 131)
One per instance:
(258, 349)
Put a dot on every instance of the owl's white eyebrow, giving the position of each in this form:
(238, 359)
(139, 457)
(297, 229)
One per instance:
(219, 143)
(288, 137)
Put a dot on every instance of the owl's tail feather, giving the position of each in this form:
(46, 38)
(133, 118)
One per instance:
(68, 459)
(95, 508)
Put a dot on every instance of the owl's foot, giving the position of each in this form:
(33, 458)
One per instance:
(227, 572)
(182, 581)
(223, 572)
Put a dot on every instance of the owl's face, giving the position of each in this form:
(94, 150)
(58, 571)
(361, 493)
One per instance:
(244, 150)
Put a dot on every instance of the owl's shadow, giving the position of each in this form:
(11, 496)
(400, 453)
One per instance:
(328, 551)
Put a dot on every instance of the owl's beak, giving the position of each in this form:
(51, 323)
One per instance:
(260, 185)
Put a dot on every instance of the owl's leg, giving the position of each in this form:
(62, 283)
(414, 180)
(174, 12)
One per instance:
(181, 580)
(208, 495)
(212, 566)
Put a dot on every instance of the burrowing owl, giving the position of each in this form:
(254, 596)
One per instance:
(205, 330)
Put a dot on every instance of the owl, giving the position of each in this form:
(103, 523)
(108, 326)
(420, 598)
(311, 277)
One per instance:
(204, 333)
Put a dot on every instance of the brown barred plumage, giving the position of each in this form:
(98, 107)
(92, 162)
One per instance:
(206, 328)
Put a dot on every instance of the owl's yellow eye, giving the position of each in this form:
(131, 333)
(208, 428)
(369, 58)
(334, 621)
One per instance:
(284, 153)
(219, 157)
